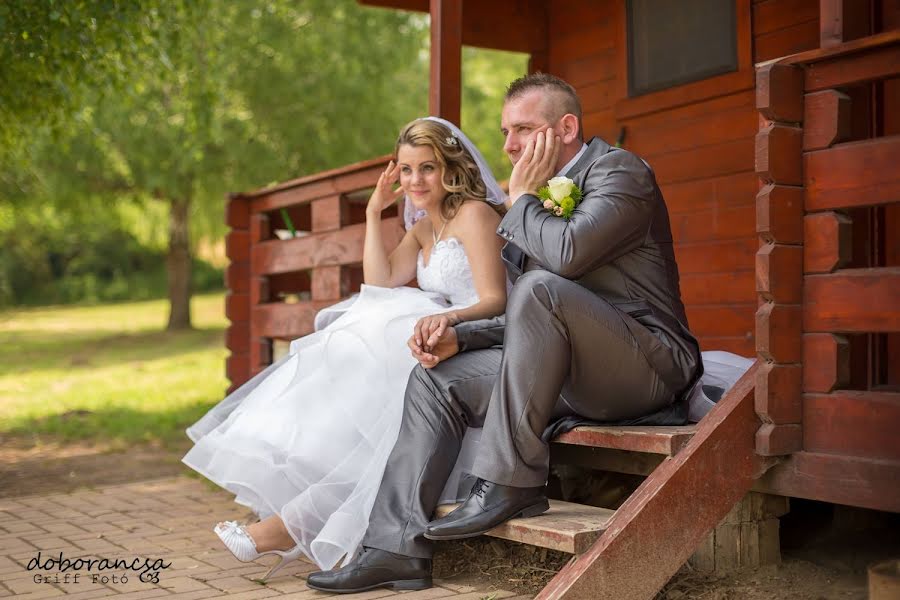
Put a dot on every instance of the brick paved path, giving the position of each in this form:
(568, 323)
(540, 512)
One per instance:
(169, 519)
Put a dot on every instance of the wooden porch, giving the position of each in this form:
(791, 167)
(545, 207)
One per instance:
(783, 187)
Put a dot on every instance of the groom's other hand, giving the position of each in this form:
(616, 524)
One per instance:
(445, 345)
(536, 165)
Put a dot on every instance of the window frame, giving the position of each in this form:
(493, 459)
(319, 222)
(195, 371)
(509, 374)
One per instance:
(686, 93)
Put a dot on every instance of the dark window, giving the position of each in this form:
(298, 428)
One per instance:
(671, 42)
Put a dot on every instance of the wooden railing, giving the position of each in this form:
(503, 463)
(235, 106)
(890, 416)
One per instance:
(276, 286)
(825, 158)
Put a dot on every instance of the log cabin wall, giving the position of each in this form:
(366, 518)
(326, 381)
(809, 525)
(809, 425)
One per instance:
(828, 139)
(699, 139)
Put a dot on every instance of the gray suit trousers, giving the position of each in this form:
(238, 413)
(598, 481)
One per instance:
(565, 351)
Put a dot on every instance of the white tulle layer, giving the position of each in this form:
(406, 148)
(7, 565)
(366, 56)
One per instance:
(308, 439)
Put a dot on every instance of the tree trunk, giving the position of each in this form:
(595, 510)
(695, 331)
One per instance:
(178, 267)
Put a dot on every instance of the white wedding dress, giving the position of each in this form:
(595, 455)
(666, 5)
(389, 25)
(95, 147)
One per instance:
(309, 437)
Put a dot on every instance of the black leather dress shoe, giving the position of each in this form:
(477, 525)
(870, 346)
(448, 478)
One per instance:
(488, 505)
(374, 568)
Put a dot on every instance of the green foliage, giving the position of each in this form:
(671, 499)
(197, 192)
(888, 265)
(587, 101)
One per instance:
(127, 107)
(55, 257)
(52, 52)
(486, 73)
(108, 373)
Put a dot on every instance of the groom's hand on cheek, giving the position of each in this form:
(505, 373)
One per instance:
(536, 165)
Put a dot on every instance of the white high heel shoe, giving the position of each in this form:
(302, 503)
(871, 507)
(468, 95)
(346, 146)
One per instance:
(242, 546)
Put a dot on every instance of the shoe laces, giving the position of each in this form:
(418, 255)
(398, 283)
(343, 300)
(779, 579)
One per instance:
(481, 487)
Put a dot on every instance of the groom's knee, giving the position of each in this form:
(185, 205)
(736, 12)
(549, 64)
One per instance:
(534, 290)
(419, 386)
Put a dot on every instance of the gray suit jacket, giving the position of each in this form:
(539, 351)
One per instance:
(617, 244)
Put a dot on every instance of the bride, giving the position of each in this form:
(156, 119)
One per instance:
(304, 444)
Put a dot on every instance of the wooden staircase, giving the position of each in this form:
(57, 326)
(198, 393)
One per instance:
(696, 475)
(573, 528)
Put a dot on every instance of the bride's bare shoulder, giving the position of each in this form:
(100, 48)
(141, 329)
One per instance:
(477, 212)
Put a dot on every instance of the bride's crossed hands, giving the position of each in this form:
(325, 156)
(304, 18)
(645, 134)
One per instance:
(384, 196)
(434, 339)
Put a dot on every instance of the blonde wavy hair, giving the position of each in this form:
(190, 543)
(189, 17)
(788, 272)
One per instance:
(460, 174)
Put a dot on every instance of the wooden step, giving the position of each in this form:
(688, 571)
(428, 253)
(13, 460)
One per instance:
(664, 440)
(566, 526)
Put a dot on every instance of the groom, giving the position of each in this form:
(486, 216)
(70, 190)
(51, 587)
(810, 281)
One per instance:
(594, 330)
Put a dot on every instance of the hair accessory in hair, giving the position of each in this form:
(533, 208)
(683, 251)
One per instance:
(451, 140)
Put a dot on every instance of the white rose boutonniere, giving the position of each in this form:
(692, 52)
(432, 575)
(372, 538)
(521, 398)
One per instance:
(560, 196)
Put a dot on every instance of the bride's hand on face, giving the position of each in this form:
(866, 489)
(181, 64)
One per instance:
(384, 196)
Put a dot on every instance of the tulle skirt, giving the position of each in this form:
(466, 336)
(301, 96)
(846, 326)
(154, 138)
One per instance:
(309, 437)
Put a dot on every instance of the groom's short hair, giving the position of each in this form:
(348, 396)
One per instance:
(563, 97)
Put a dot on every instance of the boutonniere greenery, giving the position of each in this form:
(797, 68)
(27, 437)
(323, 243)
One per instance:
(560, 196)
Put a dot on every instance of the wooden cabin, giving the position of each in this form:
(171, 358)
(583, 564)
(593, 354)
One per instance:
(773, 127)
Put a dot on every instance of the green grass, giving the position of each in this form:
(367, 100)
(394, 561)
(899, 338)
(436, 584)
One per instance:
(109, 373)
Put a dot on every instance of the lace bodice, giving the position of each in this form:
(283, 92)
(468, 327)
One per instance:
(448, 272)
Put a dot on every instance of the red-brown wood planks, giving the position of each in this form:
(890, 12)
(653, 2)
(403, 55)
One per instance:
(237, 369)
(237, 277)
(851, 69)
(777, 15)
(779, 440)
(288, 321)
(722, 320)
(237, 212)
(687, 134)
(778, 332)
(853, 300)
(711, 194)
(853, 423)
(237, 307)
(566, 527)
(778, 393)
(853, 174)
(260, 228)
(846, 480)
(779, 92)
(717, 224)
(742, 346)
(348, 179)
(237, 245)
(719, 288)
(446, 59)
(259, 290)
(779, 154)
(343, 246)
(826, 119)
(580, 71)
(826, 362)
(779, 214)
(327, 213)
(827, 243)
(237, 338)
(779, 273)
(706, 161)
(673, 510)
(326, 283)
(716, 256)
(654, 440)
(842, 20)
(787, 41)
